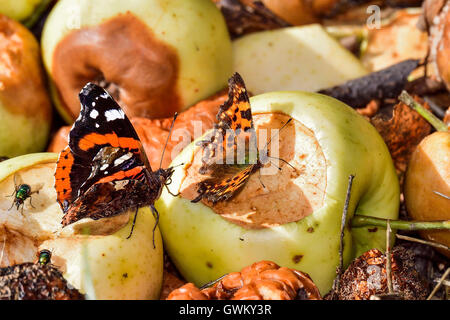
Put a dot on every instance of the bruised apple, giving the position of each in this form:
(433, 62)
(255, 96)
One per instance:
(94, 256)
(290, 216)
(25, 109)
(427, 184)
(154, 56)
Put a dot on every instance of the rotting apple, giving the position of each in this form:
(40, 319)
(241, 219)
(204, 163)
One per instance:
(294, 58)
(25, 109)
(94, 256)
(295, 222)
(154, 57)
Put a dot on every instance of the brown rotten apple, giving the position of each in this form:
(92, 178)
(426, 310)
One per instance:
(25, 110)
(263, 280)
(154, 57)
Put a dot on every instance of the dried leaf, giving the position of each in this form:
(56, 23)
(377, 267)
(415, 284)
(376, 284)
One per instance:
(402, 133)
(242, 19)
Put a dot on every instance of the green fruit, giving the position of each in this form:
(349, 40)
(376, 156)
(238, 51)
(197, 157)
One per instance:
(296, 58)
(204, 246)
(19, 9)
(194, 62)
(103, 263)
(25, 109)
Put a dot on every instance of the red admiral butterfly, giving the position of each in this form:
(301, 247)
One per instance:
(104, 170)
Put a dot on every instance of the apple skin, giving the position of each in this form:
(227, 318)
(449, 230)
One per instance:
(303, 58)
(204, 246)
(25, 108)
(105, 265)
(194, 28)
(19, 9)
(429, 171)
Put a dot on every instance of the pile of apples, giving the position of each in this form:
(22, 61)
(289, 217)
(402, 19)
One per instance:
(165, 56)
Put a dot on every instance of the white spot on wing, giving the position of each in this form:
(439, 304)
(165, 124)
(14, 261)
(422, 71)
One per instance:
(104, 167)
(122, 159)
(114, 114)
(94, 113)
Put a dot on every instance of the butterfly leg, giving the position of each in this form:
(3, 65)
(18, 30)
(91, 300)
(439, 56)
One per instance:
(168, 190)
(134, 222)
(156, 215)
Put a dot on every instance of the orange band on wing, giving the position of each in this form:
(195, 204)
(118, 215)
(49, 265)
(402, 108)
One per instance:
(62, 175)
(94, 139)
(121, 175)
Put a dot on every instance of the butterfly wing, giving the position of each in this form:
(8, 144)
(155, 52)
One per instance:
(235, 122)
(225, 185)
(103, 146)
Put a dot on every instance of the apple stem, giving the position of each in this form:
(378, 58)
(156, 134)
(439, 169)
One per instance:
(427, 115)
(365, 221)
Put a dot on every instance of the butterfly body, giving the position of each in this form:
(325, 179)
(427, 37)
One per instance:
(104, 170)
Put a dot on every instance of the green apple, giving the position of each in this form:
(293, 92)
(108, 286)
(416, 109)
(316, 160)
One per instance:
(94, 256)
(25, 108)
(155, 56)
(19, 9)
(296, 58)
(330, 142)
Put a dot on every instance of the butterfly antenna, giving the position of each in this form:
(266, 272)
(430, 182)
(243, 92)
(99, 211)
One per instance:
(278, 132)
(268, 143)
(168, 137)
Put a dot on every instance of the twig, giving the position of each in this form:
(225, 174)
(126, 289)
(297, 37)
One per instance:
(388, 258)
(341, 243)
(442, 195)
(211, 283)
(430, 243)
(431, 118)
(436, 288)
(364, 221)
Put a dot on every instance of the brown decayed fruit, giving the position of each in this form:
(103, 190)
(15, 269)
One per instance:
(25, 109)
(262, 280)
(29, 281)
(428, 173)
(366, 277)
(153, 132)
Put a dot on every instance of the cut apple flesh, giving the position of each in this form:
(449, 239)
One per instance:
(273, 197)
(296, 58)
(118, 268)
